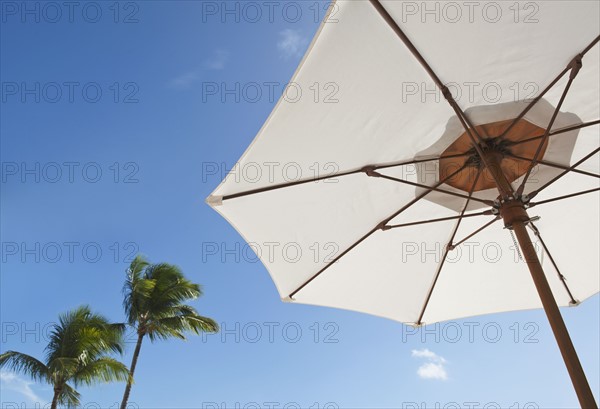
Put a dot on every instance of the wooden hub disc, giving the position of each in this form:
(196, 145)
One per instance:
(512, 168)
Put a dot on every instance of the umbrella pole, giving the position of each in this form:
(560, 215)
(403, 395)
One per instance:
(515, 217)
(582, 388)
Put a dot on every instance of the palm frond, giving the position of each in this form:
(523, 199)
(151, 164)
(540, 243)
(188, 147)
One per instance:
(69, 397)
(64, 337)
(171, 289)
(138, 265)
(136, 289)
(95, 341)
(178, 291)
(154, 303)
(77, 351)
(103, 369)
(182, 318)
(63, 368)
(25, 364)
(83, 333)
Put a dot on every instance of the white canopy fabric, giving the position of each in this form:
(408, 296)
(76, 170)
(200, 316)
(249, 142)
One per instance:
(321, 241)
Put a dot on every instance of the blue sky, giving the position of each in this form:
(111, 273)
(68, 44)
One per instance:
(110, 141)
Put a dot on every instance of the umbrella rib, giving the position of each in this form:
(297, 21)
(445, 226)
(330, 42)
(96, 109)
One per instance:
(559, 131)
(462, 117)
(447, 249)
(415, 161)
(378, 227)
(284, 185)
(553, 165)
(441, 219)
(477, 231)
(575, 67)
(554, 199)
(561, 277)
(589, 155)
(534, 101)
(540, 96)
(332, 176)
(589, 47)
(448, 192)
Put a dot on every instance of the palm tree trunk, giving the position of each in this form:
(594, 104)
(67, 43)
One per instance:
(136, 353)
(55, 398)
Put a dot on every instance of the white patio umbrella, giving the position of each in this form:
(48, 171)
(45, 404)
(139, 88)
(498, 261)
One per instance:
(378, 182)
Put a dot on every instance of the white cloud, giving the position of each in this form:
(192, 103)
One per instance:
(10, 381)
(426, 353)
(291, 43)
(429, 370)
(217, 61)
(184, 80)
(434, 368)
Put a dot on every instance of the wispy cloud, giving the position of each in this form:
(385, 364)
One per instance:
(217, 61)
(291, 43)
(433, 368)
(185, 80)
(10, 381)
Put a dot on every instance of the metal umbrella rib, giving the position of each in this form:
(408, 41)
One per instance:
(379, 226)
(485, 226)
(464, 120)
(548, 88)
(554, 199)
(333, 176)
(561, 277)
(557, 132)
(579, 162)
(554, 165)
(441, 219)
(575, 67)
(447, 249)
(447, 192)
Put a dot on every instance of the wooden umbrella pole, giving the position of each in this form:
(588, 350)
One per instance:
(582, 388)
(515, 217)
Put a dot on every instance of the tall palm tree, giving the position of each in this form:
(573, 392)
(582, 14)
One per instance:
(154, 305)
(77, 354)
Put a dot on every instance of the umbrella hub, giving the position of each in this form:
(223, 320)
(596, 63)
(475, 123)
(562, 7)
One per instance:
(512, 211)
(512, 149)
(493, 146)
(512, 208)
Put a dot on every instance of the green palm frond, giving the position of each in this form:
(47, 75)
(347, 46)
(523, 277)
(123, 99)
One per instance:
(138, 265)
(83, 333)
(136, 288)
(100, 338)
(64, 337)
(181, 319)
(69, 397)
(25, 364)
(200, 324)
(77, 352)
(63, 367)
(101, 370)
(163, 272)
(154, 302)
(173, 295)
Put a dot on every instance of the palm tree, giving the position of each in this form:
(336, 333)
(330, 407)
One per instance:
(154, 305)
(76, 354)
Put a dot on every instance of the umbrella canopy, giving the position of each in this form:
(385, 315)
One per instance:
(410, 140)
(385, 110)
